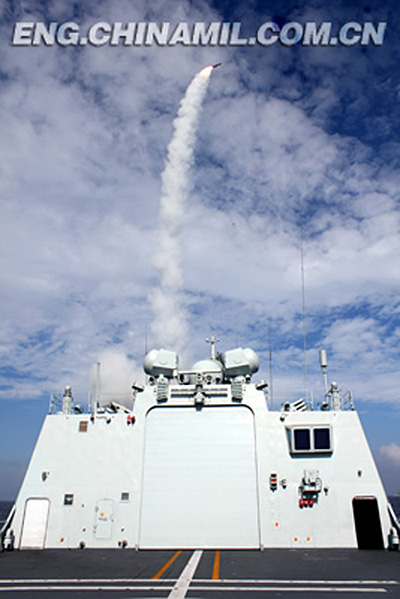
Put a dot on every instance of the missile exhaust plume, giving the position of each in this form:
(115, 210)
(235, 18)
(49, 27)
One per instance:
(170, 319)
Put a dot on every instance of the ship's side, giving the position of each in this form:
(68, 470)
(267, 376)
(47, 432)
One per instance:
(202, 463)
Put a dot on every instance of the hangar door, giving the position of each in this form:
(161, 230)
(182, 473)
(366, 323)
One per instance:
(199, 479)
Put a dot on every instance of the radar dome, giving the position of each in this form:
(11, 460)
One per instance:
(160, 361)
(240, 362)
(210, 368)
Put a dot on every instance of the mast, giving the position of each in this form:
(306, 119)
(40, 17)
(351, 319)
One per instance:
(212, 341)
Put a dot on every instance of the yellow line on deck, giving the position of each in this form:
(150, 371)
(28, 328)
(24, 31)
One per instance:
(167, 565)
(215, 574)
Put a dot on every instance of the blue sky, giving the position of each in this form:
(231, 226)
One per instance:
(296, 144)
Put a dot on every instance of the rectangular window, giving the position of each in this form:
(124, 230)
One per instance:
(302, 439)
(124, 496)
(322, 438)
(313, 439)
(68, 499)
(83, 426)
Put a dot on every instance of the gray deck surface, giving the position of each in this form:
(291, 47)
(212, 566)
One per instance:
(293, 574)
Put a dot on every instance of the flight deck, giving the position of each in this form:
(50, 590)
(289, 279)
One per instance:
(212, 574)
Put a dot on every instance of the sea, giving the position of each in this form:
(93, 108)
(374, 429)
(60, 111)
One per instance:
(5, 507)
(395, 502)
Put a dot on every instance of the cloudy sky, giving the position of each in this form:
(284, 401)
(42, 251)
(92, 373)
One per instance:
(297, 146)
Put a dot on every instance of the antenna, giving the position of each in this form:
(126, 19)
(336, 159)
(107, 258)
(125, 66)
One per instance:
(303, 310)
(98, 383)
(212, 340)
(271, 387)
(323, 362)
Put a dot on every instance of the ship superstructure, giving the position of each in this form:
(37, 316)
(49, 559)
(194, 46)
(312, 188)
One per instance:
(200, 461)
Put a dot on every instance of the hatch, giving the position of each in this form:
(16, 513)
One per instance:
(199, 481)
(367, 523)
(103, 525)
(34, 526)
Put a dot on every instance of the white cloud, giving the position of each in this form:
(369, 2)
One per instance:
(391, 453)
(84, 142)
(114, 376)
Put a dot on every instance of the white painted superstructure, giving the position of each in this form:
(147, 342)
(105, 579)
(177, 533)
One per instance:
(199, 461)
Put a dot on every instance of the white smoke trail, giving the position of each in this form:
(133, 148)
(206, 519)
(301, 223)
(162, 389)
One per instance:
(114, 380)
(170, 319)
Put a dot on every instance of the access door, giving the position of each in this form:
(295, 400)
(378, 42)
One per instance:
(104, 519)
(34, 526)
(367, 523)
(199, 479)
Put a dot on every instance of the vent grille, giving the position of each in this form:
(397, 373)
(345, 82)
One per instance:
(207, 392)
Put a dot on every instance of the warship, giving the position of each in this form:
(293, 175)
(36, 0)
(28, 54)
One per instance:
(204, 486)
(200, 461)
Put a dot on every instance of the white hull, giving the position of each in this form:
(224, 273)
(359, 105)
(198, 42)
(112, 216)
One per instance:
(201, 476)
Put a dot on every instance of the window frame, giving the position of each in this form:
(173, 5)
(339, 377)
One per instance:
(311, 428)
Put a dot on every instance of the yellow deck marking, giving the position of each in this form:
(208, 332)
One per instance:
(215, 574)
(167, 565)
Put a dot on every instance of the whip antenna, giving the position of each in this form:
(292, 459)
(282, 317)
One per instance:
(271, 387)
(303, 317)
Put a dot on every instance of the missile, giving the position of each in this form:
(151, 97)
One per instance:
(218, 64)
